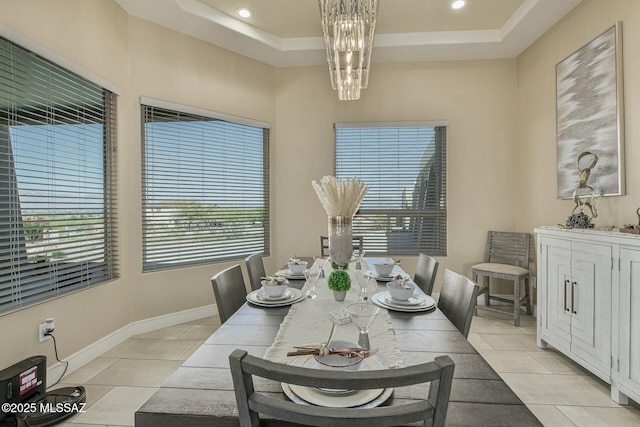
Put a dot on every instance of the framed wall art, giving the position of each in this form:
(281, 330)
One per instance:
(590, 116)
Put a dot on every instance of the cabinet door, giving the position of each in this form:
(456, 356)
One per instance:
(556, 321)
(630, 318)
(591, 304)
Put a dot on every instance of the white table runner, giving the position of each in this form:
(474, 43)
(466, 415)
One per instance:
(308, 323)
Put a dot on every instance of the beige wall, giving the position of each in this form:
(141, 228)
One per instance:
(477, 98)
(536, 199)
(172, 67)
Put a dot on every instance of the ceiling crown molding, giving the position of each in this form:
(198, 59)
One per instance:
(191, 17)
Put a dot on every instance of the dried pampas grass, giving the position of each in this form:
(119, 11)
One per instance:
(340, 197)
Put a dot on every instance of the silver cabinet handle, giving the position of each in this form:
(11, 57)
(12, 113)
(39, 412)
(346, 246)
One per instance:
(573, 285)
(566, 282)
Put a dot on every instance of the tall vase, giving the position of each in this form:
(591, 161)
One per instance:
(340, 239)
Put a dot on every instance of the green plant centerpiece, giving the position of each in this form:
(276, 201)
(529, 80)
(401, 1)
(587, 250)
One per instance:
(339, 282)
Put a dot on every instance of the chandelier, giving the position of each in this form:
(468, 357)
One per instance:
(348, 27)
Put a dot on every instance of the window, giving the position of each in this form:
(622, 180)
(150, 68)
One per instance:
(205, 188)
(404, 166)
(57, 180)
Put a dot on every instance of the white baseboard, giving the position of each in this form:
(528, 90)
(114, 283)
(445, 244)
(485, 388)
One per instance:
(172, 319)
(95, 350)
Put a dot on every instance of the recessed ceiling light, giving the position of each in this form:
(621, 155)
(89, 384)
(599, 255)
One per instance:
(458, 4)
(243, 12)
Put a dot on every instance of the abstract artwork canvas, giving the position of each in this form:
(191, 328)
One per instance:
(590, 114)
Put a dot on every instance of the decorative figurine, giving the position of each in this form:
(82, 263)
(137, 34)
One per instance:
(584, 195)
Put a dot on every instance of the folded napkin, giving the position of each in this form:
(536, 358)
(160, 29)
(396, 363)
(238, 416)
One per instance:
(274, 280)
(402, 281)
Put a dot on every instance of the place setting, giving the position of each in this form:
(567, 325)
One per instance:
(385, 271)
(341, 355)
(337, 398)
(401, 295)
(275, 292)
(295, 271)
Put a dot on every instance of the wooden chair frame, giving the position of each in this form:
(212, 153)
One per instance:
(426, 270)
(251, 403)
(229, 291)
(457, 301)
(255, 270)
(506, 250)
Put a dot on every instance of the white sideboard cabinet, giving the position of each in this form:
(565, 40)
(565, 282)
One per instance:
(589, 303)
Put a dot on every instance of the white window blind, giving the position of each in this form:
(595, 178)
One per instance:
(205, 189)
(57, 180)
(404, 166)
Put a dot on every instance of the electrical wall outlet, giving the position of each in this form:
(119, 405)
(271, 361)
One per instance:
(46, 328)
(42, 329)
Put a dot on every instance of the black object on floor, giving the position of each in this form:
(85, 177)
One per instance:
(53, 407)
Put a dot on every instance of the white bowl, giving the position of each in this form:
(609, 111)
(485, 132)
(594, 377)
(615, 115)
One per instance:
(297, 268)
(273, 290)
(399, 293)
(383, 269)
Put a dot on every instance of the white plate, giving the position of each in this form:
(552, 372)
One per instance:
(262, 295)
(386, 394)
(287, 274)
(356, 399)
(380, 278)
(427, 305)
(389, 304)
(296, 296)
(415, 300)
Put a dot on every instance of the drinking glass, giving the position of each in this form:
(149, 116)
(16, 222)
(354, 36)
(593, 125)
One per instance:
(311, 277)
(362, 280)
(362, 315)
(320, 263)
(359, 256)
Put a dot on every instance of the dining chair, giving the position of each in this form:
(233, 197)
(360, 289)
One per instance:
(251, 403)
(426, 270)
(458, 300)
(229, 291)
(507, 258)
(255, 269)
(358, 242)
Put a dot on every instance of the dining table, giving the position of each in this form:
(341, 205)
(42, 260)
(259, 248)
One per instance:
(200, 392)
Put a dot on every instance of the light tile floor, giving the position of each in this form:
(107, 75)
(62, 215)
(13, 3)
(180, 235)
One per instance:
(123, 378)
(558, 392)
